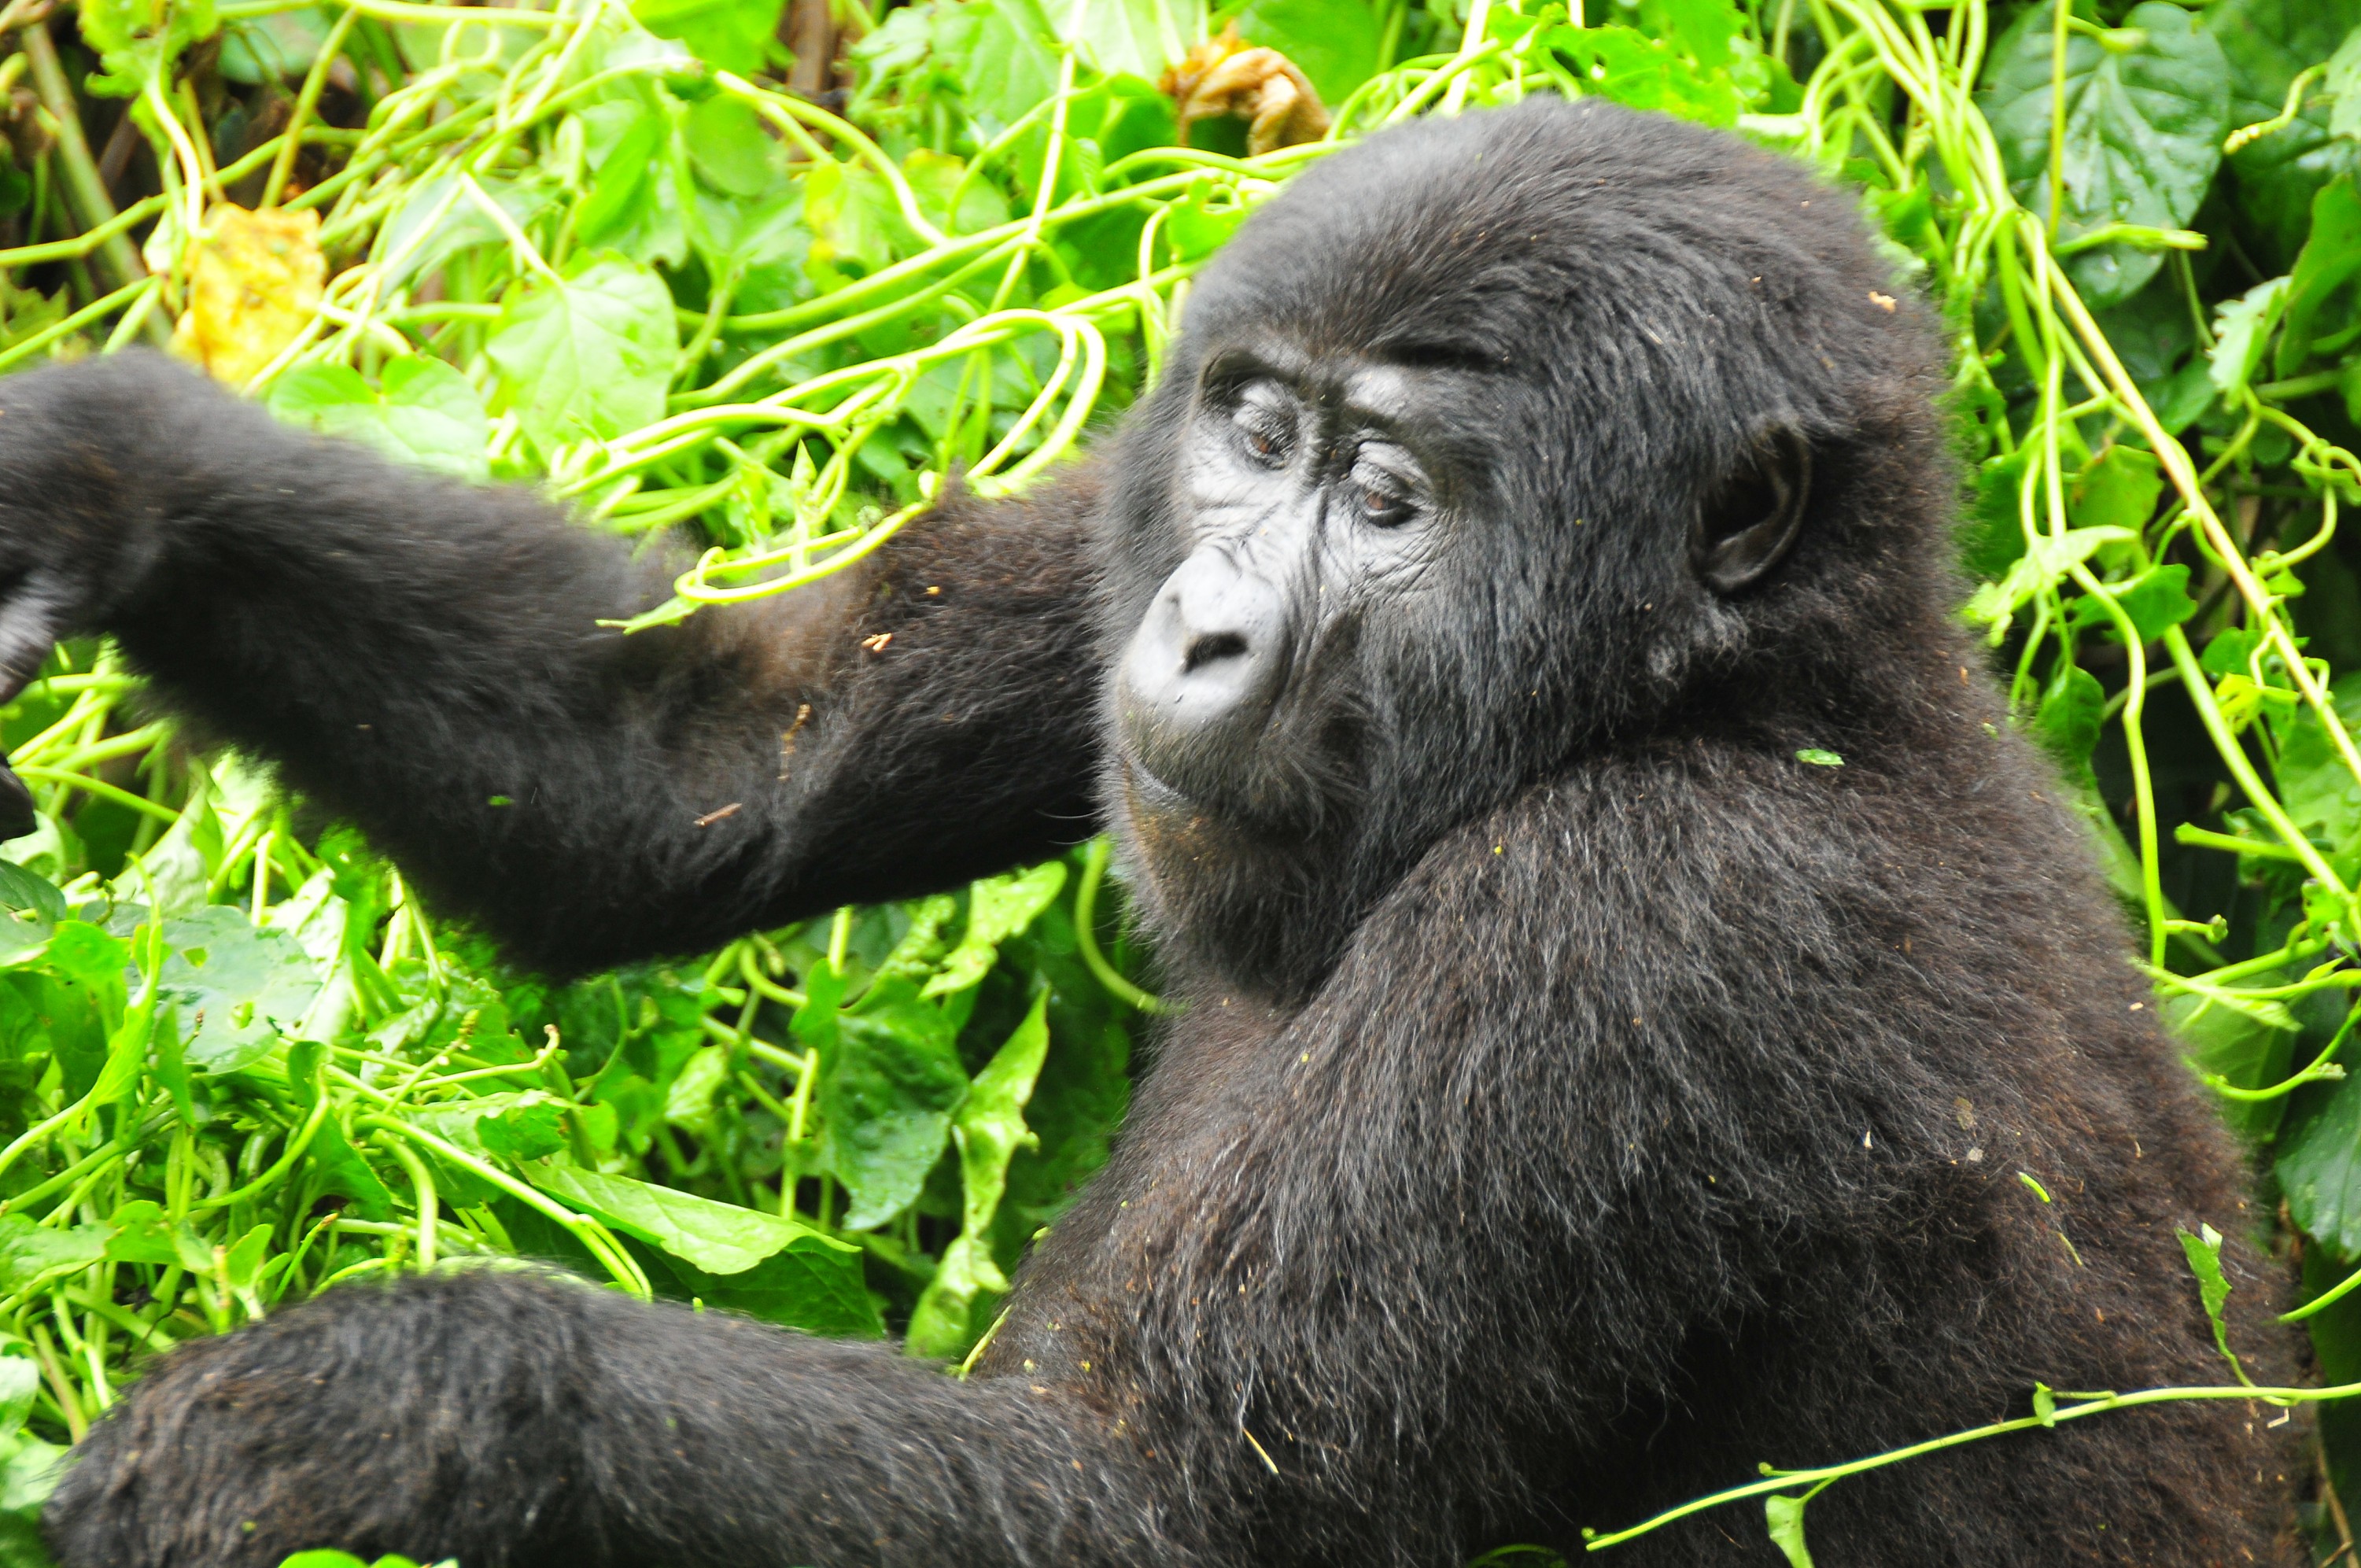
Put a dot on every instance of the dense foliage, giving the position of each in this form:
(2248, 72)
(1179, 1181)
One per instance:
(607, 249)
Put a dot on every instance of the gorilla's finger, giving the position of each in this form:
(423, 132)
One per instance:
(29, 623)
(16, 818)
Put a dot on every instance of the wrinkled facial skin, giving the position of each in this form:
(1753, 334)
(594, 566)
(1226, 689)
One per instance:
(1297, 547)
(1357, 625)
(1477, 458)
(1311, 501)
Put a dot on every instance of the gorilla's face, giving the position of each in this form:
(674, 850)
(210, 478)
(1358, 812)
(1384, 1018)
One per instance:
(1476, 455)
(1311, 494)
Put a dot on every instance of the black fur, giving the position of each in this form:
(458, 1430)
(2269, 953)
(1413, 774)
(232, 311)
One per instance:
(1590, 1102)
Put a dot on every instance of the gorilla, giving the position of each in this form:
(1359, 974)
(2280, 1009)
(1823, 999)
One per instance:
(1581, 1097)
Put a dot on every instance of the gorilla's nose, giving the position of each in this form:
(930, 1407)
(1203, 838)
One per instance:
(1203, 673)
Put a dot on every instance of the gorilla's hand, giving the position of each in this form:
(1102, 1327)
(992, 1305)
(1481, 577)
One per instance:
(436, 1419)
(72, 515)
(83, 448)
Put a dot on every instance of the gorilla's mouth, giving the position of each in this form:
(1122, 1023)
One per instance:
(1238, 804)
(1184, 842)
(1149, 794)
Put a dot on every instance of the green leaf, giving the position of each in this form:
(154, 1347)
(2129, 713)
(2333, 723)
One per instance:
(2157, 601)
(2274, 177)
(633, 206)
(1195, 226)
(2067, 723)
(1335, 43)
(460, 1122)
(812, 1284)
(237, 987)
(242, 1260)
(889, 1080)
(1785, 1517)
(2344, 85)
(2319, 1169)
(127, 1054)
(2327, 278)
(1992, 538)
(23, 890)
(27, 926)
(688, 1099)
(434, 418)
(435, 221)
(2204, 1250)
(1140, 37)
(989, 1129)
(2242, 329)
(524, 1132)
(1818, 758)
(19, 1378)
(30, 1254)
(998, 908)
(2229, 651)
(138, 1233)
(853, 221)
(586, 356)
(429, 416)
(728, 149)
(1007, 54)
(623, 173)
(29, 1472)
(1647, 74)
(273, 48)
(2244, 1050)
(82, 953)
(2118, 489)
(2044, 1404)
(66, 1019)
(138, 38)
(2320, 793)
(339, 1167)
(719, 1238)
(935, 178)
(2145, 111)
(736, 35)
(2045, 562)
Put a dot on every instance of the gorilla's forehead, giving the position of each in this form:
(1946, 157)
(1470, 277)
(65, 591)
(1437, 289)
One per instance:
(1512, 236)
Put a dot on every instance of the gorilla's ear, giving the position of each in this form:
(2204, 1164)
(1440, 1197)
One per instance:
(1751, 521)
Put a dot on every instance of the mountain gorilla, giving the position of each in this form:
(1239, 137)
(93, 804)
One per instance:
(1580, 1096)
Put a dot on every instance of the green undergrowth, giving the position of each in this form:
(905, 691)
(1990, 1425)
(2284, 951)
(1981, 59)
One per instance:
(600, 248)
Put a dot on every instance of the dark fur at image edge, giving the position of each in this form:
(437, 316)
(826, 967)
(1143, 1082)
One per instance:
(1593, 1103)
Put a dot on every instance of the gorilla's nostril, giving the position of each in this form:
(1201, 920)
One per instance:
(1207, 647)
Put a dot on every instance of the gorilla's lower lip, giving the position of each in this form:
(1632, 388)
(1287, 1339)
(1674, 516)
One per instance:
(1148, 793)
(1152, 789)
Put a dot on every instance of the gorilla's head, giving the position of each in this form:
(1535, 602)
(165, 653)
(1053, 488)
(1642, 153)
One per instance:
(1490, 443)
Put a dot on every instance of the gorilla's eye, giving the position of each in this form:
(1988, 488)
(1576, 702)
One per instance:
(1383, 508)
(1379, 495)
(1263, 425)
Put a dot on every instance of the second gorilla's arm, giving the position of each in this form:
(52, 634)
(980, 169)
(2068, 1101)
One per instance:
(424, 657)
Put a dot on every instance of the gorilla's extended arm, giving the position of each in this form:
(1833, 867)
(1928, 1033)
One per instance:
(516, 1420)
(425, 657)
